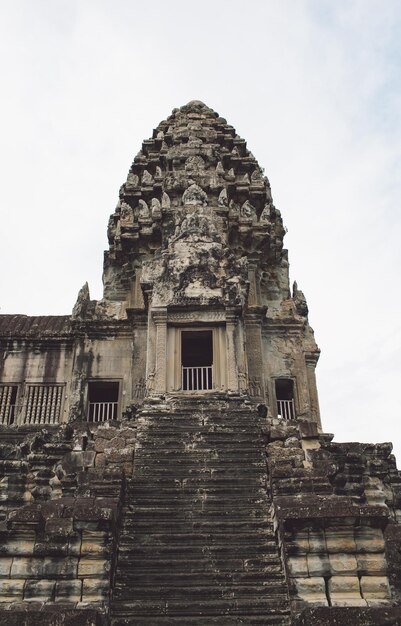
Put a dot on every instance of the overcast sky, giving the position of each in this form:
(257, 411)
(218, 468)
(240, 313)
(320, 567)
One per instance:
(315, 89)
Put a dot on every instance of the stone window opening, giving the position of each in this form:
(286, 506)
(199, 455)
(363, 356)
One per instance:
(197, 360)
(102, 400)
(285, 398)
(8, 404)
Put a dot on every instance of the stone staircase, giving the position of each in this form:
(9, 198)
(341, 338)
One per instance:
(197, 545)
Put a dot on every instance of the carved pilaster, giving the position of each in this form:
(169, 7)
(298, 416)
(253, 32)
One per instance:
(253, 328)
(160, 320)
(241, 358)
(232, 369)
(254, 286)
(311, 360)
(150, 345)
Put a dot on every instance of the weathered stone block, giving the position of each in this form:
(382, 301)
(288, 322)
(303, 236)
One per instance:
(60, 568)
(70, 590)
(344, 591)
(299, 542)
(59, 527)
(372, 564)
(5, 566)
(18, 546)
(95, 589)
(317, 541)
(129, 434)
(100, 460)
(74, 545)
(318, 565)
(94, 542)
(298, 566)
(375, 588)
(117, 442)
(343, 564)
(121, 455)
(25, 567)
(369, 539)
(311, 590)
(340, 539)
(93, 568)
(39, 590)
(11, 589)
(107, 431)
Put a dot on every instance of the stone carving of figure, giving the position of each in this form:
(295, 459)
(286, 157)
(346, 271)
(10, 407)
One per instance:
(248, 211)
(223, 200)
(194, 195)
(196, 222)
(165, 201)
(234, 210)
(256, 176)
(265, 215)
(156, 209)
(127, 215)
(147, 178)
(299, 300)
(254, 387)
(144, 213)
(220, 169)
(82, 302)
(140, 389)
(194, 164)
(132, 181)
(244, 180)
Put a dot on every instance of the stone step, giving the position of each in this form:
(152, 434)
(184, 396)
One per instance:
(172, 440)
(206, 592)
(129, 580)
(244, 606)
(208, 481)
(280, 618)
(200, 454)
(207, 525)
(190, 515)
(180, 472)
(147, 552)
(202, 500)
(170, 493)
(199, 502)
(198, 424)
(135, 538)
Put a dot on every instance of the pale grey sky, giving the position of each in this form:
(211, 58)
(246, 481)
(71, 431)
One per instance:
(315, 89)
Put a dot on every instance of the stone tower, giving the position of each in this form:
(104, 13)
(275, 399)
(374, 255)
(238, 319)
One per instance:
(162, 459)
(197, 244)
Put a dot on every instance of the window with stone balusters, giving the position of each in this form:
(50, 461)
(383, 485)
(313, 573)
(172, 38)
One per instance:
(42, 403)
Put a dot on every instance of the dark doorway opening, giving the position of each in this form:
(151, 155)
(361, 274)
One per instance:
(285, 398)
(197, 360)
(102, 400)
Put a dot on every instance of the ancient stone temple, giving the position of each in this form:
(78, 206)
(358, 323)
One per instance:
(162, 459)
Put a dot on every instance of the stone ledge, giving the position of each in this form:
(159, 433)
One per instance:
(349, 616)
(54, 617)
(311, 506)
